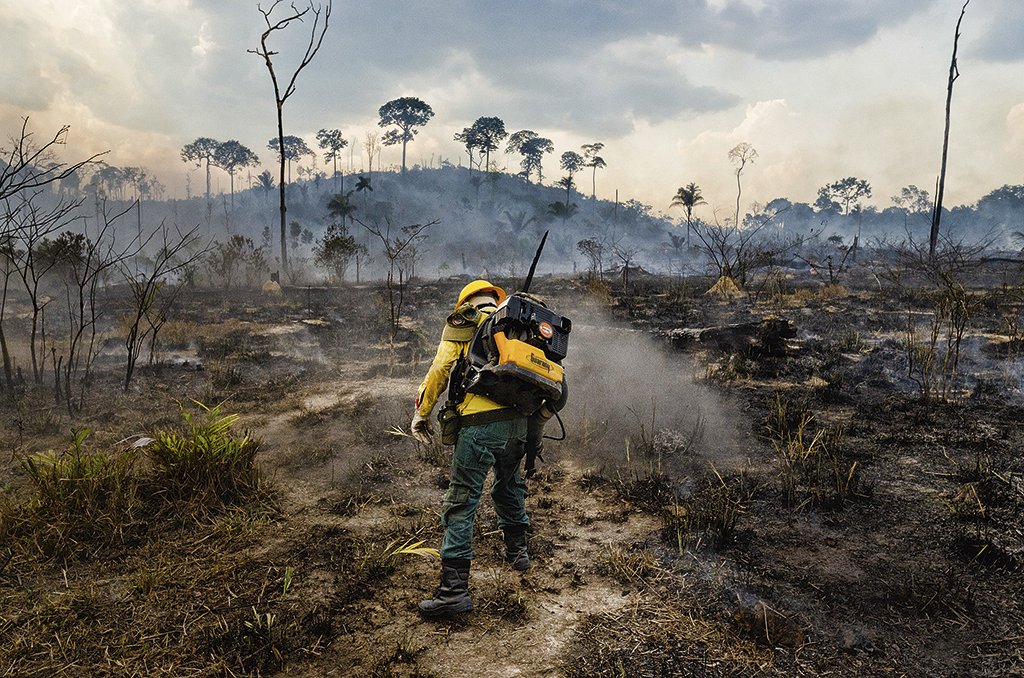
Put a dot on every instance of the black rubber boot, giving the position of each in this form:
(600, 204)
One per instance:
(452, 596)
(515, 548)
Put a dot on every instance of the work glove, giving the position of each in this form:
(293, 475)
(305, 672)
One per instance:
(421, 429)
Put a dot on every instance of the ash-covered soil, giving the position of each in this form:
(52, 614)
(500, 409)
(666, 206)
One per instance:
(785, 497)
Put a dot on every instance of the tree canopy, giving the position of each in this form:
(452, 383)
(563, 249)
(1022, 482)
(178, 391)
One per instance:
(594, 161)
(405, 113)
(200, 150)
(489, 132)
(232, 156)
(842, 194)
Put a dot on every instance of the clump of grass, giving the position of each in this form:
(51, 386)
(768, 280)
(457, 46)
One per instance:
(203, 463)
(651, 490)
(599, 291)
(631, 566)
(178, 334)
(659, 637)
(223, 376)
(79, 497)
(711, 514)
(851, 341)
(813, 469)
(399, 660)
(501, 597)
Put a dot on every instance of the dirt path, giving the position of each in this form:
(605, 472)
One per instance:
(523, 623)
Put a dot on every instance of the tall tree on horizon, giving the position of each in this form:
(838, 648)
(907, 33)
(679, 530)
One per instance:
(232, 156)
(316, 38)
(845, 193)
(532, 147)
(593, 160)
(405, 113)
(294, 148)
(572, 162)
(469, 140)
(515, 144)
(331, 141)
(489, 132)
(913, 199)
(372, 147)
(200, 150)
(741, 154)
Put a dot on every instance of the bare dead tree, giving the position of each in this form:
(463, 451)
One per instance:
(593, 250)
(834, 262)
(396, 247)
(735, 251)
(7, 269)
(954, 73)
(26, 165)
(741, 154)
(625, 254)
(933, 362)
(85, 265)
(316, 37)
(152, 294)
(953, 258)
(30, 225)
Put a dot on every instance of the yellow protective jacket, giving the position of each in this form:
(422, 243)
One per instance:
(454, 344)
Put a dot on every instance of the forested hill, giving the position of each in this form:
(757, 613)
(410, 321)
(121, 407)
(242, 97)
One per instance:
(490, 222)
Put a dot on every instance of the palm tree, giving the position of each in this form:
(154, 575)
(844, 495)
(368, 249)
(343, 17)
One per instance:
(340, 205)
(564, 210)
(362, 185)
(688, 197)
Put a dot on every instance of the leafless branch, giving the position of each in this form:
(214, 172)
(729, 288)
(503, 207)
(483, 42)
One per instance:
(25, 166)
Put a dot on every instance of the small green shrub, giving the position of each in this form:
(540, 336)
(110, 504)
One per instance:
(204, 463)
(79, 498)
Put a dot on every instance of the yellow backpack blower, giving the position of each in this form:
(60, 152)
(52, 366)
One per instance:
(516, 354)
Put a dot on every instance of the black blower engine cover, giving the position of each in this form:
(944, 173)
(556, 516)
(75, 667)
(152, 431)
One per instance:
(533, 335)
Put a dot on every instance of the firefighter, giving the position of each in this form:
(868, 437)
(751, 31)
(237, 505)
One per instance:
(490, 435)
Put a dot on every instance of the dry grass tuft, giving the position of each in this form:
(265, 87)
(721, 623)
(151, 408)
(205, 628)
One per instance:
(659, 638)
(631, 566)
(813, 468)
(710, 515)
(498, 594)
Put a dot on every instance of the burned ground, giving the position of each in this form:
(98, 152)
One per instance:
(791, 504)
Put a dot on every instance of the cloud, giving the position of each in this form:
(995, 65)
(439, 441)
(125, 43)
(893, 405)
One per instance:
(998, 39)
(795, 29)
(1015, 125)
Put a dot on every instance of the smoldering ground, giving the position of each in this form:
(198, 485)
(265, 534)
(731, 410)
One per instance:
(636, 405)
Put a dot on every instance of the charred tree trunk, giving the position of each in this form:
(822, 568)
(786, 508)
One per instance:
(766, 337)
(954, 73)
(316, 37)
(281, 184)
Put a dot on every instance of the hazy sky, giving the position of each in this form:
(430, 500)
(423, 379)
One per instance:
(823, 89)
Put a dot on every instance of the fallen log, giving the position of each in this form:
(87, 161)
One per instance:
(766, 337)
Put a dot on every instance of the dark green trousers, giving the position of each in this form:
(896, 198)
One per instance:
(499, 445)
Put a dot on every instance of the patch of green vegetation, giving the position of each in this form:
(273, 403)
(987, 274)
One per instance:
(203, 464)
(80, 499)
